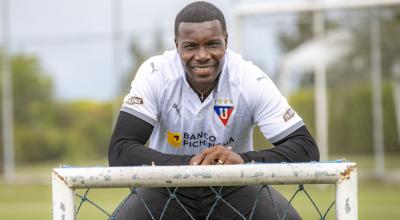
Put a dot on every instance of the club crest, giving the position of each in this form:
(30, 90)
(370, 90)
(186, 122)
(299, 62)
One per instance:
(224, 113)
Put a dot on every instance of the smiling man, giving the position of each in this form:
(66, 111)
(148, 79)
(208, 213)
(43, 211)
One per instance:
(200, 108)
(201, 47)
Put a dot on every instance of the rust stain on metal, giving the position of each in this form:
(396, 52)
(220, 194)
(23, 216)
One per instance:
(345, 175)
(60, 177)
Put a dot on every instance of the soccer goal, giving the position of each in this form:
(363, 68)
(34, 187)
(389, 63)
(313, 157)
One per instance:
(343, 174)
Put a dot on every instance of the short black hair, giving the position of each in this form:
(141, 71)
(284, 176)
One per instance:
(198, 12)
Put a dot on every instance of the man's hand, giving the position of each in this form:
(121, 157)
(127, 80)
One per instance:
(217, 155)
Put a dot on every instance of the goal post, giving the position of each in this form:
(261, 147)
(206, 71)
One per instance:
(342, 174)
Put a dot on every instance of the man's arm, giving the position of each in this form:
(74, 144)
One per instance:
(299, 146)
(127, 145)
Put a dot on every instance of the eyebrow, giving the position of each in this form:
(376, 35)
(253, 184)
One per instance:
(188, 41)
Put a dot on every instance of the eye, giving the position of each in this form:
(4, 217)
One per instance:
(189, 46)
(214, 44)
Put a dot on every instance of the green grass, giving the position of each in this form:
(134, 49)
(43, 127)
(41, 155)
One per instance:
(375, 200)
(30, 197)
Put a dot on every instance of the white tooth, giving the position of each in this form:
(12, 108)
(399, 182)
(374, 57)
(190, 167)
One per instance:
(202, 68)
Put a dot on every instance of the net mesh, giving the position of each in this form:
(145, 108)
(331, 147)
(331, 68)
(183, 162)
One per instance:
(322, 214)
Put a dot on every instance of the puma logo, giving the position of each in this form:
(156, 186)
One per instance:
(153, 67)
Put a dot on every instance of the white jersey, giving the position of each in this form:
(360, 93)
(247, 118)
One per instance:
(243, 98)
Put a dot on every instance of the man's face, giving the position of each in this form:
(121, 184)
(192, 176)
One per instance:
(201, 47)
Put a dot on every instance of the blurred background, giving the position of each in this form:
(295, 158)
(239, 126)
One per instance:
(67, 64)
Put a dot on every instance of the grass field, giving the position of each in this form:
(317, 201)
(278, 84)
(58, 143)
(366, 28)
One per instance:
(31, 199)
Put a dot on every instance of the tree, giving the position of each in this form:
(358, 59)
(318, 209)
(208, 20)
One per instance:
(32, 99)
(49, 129)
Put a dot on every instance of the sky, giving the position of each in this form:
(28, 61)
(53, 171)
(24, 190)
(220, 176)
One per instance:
(73, 40)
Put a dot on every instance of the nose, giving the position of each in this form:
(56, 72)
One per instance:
(202, 55)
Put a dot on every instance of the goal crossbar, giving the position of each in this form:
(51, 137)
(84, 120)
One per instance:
(343, 175)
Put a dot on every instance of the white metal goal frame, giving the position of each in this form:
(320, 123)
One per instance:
(342, 174)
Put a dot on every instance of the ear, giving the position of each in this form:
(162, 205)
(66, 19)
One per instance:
(226, 40)
(176, 43)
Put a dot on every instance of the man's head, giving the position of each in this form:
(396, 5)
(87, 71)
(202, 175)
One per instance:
(198, 12)
(201, 40)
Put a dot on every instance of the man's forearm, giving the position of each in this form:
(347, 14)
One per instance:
(129, 153)
(127, 145)
(299, 146)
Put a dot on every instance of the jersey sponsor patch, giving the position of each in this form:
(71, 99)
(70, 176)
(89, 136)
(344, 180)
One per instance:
(134, 100)
(204, 139)
(288, 114)
(224, 113)
(174, 139)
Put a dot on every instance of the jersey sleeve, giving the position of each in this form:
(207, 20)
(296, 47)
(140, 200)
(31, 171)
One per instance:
(271, 111)
(142, 100)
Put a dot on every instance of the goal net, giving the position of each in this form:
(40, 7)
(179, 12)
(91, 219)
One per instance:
(67, 180)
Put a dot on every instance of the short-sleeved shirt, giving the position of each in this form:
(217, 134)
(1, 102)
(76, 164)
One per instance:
(243, 98)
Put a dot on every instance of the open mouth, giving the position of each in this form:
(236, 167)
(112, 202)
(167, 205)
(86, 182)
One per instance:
(202, 69)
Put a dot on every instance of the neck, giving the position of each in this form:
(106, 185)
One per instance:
(204, 91)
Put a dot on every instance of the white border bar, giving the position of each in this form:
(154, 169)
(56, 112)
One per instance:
(344, 175)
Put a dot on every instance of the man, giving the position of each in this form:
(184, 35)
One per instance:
(198, 105)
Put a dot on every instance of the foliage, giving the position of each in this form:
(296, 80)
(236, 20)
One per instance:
(303, 103)
(140, 54)
(48, 129)
(31, 97)
(349, 89)
(77, 131)
(356, 65)
(291, 38)
(87, 129)
(350, 117)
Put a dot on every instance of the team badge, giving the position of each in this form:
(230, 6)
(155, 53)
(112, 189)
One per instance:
(223, 112)
(174, 139)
